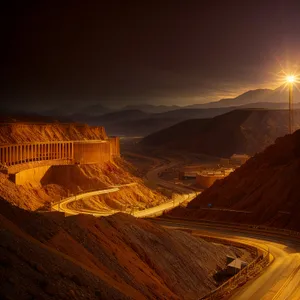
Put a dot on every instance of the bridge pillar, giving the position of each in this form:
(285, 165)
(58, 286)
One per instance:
(72, 150)
(12, 155)
(69, 150)
(9, 155)
(6, 154)
(31, 152)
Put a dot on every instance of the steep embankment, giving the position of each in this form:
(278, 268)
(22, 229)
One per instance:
(240, 131)
(60, 181)
(267, 186)
(47, 256)
(26, 132)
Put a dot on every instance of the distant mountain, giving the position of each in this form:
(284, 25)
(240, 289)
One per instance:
(239, 131)
(96, 109)
(138, 123)
(279, 95)
(121, 116)
(68, 110)
(148, 108)
(270, 105)
(252, 96)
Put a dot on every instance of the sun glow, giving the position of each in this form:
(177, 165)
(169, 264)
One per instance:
(290, 78)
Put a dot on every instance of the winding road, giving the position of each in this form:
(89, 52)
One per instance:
(184, 195)
(280, 280)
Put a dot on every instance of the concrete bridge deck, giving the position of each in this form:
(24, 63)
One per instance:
(18, 157)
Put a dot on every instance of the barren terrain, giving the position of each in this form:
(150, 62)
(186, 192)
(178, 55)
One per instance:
(266, 187)
(61, 181)
(118, 257)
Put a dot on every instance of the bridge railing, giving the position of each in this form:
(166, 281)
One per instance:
(33, 164)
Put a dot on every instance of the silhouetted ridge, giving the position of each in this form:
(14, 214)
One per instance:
(240, 131)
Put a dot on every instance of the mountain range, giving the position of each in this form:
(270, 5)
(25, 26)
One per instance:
(238, 131)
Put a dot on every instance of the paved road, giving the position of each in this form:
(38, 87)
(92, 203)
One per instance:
(63, 204)
(281, 280)
(153, 211)
(184, 195)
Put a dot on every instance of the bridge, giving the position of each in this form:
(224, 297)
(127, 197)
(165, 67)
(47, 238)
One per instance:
(17, 157)
(15, 154)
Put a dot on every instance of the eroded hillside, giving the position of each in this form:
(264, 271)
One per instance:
(59, 181)
(266, 187)
(117, 257)
(26, 132)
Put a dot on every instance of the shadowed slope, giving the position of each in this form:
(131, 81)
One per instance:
(267, 185)
(106, 258)
(240, 131)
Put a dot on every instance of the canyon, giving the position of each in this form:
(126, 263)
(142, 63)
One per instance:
(48, 254)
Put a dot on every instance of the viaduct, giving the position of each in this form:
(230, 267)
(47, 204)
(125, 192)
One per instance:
(15, 158)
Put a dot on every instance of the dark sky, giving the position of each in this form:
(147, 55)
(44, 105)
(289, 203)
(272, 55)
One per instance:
(160, 52)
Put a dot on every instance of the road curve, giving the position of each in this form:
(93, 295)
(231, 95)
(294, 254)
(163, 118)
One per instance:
(184, 195)
(281, 280)
(62, 206)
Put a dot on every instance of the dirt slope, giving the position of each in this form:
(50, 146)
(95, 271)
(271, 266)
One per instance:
(240, 131)
(61, 181)
(35, 132)
(48, 256)
(267, 185)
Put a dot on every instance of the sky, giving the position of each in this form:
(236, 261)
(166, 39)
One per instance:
(144, 52)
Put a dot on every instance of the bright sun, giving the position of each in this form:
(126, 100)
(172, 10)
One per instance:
(290, 78)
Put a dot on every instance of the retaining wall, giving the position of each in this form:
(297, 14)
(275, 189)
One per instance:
(115, 145)
(92, 152)
(31, 176)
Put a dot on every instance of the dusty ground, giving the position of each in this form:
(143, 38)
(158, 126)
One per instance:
(46, 256)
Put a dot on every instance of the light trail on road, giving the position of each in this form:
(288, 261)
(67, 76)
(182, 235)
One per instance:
(278, 281)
